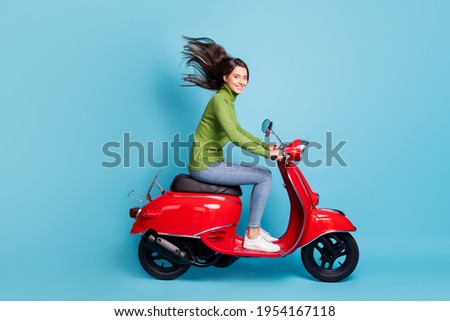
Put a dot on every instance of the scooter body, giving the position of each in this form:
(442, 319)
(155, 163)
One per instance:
(190, 228)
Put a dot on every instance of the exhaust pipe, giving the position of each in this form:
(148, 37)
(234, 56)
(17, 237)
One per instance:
(167, 249)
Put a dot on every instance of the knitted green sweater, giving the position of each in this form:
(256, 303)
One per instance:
(217, 127)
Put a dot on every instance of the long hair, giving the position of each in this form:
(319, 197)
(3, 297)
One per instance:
(210, 62)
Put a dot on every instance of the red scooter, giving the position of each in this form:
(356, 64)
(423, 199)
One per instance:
(194, 224)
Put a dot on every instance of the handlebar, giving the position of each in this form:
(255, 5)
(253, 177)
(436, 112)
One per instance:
(281, 149)
(290, 151)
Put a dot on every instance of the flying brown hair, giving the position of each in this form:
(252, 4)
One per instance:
(210, 61)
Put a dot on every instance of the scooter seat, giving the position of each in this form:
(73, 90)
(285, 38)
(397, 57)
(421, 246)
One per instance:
(185, 183)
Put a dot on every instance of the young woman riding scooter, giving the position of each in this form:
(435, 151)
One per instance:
(194, 222)
(228, 76)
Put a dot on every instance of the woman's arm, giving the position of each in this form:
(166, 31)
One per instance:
(253, 138)
(226, 117)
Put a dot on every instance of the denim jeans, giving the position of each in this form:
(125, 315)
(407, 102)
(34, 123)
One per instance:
(223, 173)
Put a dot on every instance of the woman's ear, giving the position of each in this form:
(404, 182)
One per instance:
(225, 78)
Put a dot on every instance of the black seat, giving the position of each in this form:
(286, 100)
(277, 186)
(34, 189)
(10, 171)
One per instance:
(185, 183)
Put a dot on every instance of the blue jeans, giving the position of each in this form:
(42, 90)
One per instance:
(222, 173)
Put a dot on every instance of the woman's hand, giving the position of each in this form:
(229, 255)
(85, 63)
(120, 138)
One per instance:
(275, 153)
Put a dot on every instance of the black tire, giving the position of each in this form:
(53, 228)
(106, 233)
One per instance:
(158, 266)
(331, 257)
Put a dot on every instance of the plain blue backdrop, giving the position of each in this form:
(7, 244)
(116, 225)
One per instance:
(75, 75)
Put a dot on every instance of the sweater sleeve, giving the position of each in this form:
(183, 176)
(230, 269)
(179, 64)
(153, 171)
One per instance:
(253, 138)
(226, 118)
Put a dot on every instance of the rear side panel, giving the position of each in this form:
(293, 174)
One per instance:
(188, 214)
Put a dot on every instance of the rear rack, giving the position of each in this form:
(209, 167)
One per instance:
(147, 197)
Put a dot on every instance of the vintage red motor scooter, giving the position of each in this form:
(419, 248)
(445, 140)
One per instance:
(194, 224)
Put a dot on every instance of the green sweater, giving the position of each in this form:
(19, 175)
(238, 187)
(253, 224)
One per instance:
(217, 127)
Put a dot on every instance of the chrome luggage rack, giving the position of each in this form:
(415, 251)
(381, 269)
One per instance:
(147, 197)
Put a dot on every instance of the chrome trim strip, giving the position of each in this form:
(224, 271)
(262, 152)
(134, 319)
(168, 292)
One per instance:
(215, 228)
(180, 235)
(196, 236)
(327, 232)
(138, 212)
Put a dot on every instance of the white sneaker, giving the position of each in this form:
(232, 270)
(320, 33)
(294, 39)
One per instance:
(266, 235)
(260, 244)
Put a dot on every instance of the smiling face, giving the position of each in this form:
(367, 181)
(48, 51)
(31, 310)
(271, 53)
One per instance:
(237, 79)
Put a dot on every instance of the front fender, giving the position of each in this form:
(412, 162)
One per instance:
(323, 221)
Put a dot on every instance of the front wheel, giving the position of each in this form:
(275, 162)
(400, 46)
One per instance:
(158, 266)
(331, 257)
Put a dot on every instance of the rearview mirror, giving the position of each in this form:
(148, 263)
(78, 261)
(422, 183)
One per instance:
(266, 127)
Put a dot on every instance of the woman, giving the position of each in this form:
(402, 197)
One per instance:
(228, 76)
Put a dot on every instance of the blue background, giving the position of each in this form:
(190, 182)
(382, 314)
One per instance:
(77, 74)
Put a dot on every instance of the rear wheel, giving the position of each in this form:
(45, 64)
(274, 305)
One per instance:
(331, 257)
(158, 266)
